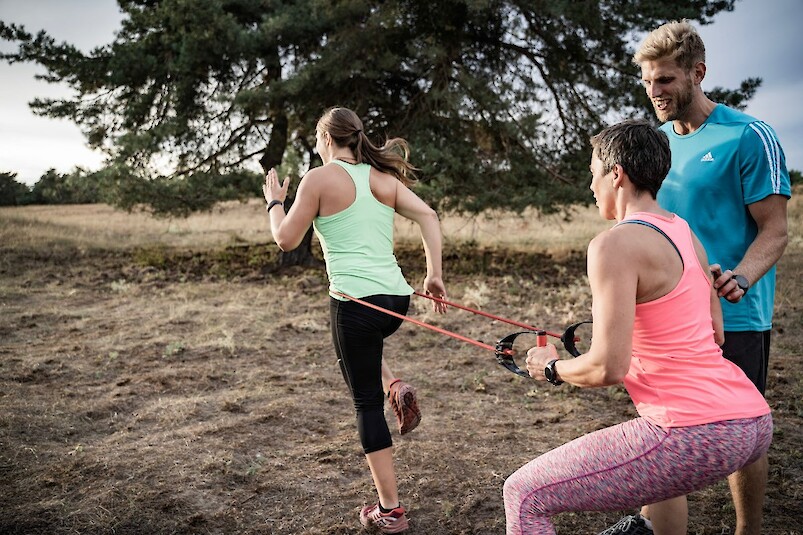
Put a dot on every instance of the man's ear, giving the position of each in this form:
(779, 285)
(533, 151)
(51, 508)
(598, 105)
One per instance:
(698, 73)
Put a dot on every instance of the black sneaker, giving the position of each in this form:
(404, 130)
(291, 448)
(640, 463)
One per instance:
(629, 525)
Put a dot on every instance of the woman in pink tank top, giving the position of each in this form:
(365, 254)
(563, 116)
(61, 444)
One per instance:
(657, 324)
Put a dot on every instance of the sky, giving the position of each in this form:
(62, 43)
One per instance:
(760, 38)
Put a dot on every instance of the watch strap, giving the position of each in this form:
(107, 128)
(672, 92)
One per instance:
(551, 373)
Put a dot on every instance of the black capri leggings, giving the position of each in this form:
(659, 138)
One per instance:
(358, 333)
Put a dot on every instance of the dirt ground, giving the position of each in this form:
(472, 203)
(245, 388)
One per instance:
(154, 390)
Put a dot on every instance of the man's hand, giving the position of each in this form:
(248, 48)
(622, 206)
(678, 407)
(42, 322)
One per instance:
(725, 285)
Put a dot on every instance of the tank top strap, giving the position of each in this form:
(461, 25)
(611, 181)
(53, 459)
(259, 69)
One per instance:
(359, 174)
(657, 229)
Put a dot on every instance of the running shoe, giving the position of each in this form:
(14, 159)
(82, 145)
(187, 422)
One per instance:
(404, 403)
(629, 525)
(393, 522)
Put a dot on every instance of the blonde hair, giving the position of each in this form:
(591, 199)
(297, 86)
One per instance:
(345, 128)
(677, 40)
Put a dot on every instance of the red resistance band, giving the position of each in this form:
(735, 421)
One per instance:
(444, 331)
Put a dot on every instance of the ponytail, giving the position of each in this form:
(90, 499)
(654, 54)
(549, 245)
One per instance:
(392, 157)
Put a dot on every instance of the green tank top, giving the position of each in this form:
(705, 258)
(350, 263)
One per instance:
(357, 243)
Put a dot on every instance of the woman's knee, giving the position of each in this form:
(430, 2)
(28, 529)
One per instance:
(375, 401)
(509, 489)
(517, 489)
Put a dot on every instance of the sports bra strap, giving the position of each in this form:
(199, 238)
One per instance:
(654, 227)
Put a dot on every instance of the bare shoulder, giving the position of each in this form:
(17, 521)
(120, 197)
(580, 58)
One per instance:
(382, 177)
(316, 175)
(614, 247)
(384, 186)
(610, 241)
(315, 179)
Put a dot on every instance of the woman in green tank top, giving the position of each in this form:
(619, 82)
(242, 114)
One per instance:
(351, 200)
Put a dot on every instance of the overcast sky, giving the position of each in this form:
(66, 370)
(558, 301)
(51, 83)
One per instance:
(759, 38)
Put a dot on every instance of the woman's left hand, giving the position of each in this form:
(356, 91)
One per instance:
(272, 190)
(537, 359)
(434, 286)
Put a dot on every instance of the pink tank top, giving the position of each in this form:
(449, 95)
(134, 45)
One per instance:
(678, 376)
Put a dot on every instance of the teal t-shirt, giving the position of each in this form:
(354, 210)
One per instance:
(357, 243)
(731, 161)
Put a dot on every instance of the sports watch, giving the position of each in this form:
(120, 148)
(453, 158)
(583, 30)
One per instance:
(742, 282)
(550, 373)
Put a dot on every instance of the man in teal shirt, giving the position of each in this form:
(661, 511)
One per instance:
(729, 177)
(729, 181)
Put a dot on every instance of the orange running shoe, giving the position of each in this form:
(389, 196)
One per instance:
(404, 403)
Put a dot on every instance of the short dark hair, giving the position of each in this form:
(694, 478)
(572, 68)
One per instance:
(640, 148)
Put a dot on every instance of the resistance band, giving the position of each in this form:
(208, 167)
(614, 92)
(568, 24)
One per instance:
(504, 347)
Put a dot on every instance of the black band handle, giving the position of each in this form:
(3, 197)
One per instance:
(569, 340)
(505, 353)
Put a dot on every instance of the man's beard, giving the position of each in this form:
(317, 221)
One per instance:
(680, 105)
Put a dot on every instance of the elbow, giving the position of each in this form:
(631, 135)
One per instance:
(612, 377)
(281, 242)
(719, 337)
(431, 216)
(779, 240)
(614, 371)
(284, 244)
(604, 372)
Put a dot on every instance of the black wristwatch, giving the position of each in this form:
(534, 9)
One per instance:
(550, 373)
(742, 282)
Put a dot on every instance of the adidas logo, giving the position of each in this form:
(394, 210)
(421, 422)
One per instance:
(707, 158)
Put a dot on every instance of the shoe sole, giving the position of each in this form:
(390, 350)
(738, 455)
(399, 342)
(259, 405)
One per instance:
(409, 409)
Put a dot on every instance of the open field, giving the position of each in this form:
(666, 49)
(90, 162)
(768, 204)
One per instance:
(160, 376)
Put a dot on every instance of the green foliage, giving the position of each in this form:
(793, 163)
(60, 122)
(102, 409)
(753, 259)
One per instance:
(13, 193)
(167, 196)
(497, 98)
(77, 187)
(736, 98)
(795, 176)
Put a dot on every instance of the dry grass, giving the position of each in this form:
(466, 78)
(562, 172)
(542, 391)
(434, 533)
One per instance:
(101, 226)
(194, 390)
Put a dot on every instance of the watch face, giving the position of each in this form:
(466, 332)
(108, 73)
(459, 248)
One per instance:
(548, 374)
(741, 281)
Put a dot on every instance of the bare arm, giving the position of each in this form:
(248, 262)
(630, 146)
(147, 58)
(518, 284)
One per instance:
(766, 249)
(716, 318)
(614, 279)
(289, 229)
(409, 205)
(717, 321)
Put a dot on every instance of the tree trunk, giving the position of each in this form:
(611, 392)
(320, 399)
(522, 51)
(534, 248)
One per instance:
(301, 255)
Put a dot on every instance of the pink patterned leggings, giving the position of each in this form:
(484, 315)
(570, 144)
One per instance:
(629, 465)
